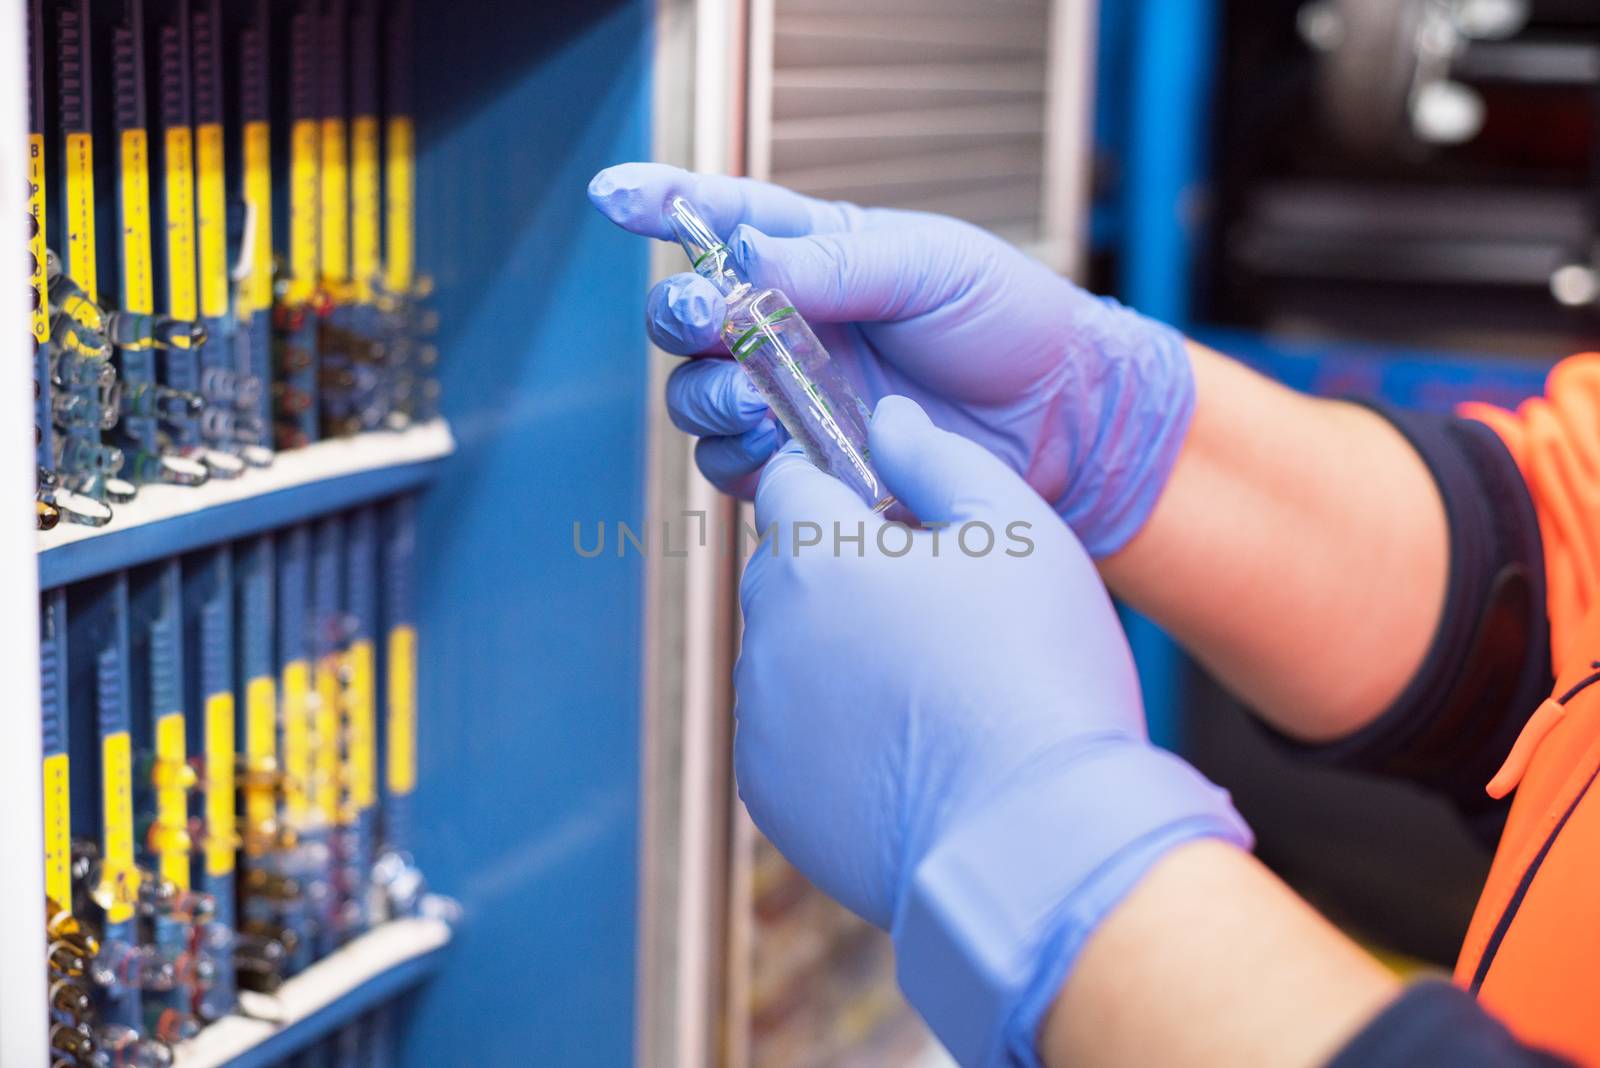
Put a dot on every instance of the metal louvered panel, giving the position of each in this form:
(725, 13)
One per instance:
(938, 105)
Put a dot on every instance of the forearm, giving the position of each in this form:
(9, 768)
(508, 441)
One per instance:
(1300, 551)
(1212, 961)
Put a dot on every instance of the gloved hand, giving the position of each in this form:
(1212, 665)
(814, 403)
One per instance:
(942, 728)
(1085, 399)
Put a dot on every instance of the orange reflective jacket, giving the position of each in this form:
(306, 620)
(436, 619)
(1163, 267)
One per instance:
(1532, 952)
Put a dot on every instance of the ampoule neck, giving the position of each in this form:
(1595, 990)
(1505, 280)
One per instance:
(708, 254)
(715, 268)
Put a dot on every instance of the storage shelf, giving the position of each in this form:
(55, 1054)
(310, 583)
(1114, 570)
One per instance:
(336, 990)
(322, 477)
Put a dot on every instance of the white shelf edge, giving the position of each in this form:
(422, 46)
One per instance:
(317, 462)
(385, 947)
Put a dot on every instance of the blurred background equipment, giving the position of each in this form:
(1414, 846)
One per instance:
(223, 879)
(1421, 172)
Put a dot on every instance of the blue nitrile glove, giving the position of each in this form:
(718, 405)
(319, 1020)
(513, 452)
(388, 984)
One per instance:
(945, 732)
(1085, 399)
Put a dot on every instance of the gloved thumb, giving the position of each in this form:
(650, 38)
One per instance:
(794, 495)
(852, 276)
(942, 477)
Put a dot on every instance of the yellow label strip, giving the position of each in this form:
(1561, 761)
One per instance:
(138, 270)
(121, 878)
(257, 291)
(361, 713)
(401, 757)
(221, 832)
(399, 209)
(182, 301)
(80, 214)
(297, 742)
(303, 212)
(213, 221)
(335, 204)
(36, 245)
(58, 830)
(328, 749)
(364, 205)
(261, 749)
(172, 800)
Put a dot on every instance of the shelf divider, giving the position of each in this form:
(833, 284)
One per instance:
(323, 477)
(373, 969)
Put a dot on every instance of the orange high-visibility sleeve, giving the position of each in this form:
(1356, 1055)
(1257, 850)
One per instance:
(1532, 951)
(1555, 440)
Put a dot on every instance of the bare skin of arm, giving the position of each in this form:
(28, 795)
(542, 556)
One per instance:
(1212, 961)
(1299, 551)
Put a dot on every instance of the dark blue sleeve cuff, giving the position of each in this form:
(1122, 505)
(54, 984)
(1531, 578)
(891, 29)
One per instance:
(1489, 665)
(1434, 1024)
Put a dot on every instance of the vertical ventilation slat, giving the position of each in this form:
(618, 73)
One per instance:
(216, 646)
(112, 714)
(51, 668)
(165, 685)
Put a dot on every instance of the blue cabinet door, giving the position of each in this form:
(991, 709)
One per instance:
(530, 655)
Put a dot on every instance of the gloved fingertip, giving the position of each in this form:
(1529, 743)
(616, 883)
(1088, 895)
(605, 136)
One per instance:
(691, 301)
(818, 272)
(787, 465)
(683, 315)
(750, 403)
(612, 192)
(790, 452)
(896, 414)
(746, 244)
(602, 185)
(632, 194)
(710, 397)
(936, 474)
(899, 432)
(728, 460)
(762, 442)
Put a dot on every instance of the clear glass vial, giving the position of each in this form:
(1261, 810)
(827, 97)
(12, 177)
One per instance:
(788, 365)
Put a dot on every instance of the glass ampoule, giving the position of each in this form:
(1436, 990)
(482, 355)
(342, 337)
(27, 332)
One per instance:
(83, 410)
(149, 400)
(140, 331)
(69, 1001)
(126, 329)
(787, 364)
(80, 455)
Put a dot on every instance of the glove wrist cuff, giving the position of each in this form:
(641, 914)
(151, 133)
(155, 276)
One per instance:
(996, 912)
(1142, 399)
